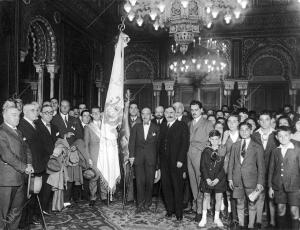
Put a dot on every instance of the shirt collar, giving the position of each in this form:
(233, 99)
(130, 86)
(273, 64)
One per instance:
(14, 128)
(171, 123)
(44, 122)
(261, 132)
(63, 115)
(289, 146)
(179, 118)
(197, 119)
(29, 121)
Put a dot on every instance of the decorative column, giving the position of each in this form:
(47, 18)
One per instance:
(34, 88)
(157, 86)
(100, 89)
(39, 68)
(169, 87)
(243, 88)
(228, 87)
(293, 89)
(52, 70)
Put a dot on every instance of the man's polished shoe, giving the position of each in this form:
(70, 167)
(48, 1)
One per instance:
(198, 217)
(92, 203)
(168, 215)
(179, 218)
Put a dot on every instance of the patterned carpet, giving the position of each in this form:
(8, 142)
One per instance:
(113, 217)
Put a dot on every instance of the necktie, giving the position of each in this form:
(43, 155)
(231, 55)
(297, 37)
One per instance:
(243, 152)
(169, 125)
(66, 121)
(48, 127)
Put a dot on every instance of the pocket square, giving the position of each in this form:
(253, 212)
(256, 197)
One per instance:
(153, 134)
(57, 134)
(24, 139)
(72, 127)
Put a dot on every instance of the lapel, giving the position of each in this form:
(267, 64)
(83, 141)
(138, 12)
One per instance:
(29, 125)
(258, 138)
(13, 133)
(270, 141)
(249, 150)
(195, 127)
(149, 131)
(238, 154)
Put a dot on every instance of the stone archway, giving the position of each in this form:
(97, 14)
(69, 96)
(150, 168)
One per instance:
(44, 53)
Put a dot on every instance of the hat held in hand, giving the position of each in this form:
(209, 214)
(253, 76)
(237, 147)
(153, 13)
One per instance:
(89, 174)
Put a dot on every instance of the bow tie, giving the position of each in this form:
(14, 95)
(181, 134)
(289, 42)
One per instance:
(146, 123)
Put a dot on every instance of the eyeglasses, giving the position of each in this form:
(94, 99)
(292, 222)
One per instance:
(48, 113)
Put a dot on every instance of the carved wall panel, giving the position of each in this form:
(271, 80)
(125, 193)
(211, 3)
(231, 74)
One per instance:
(267, 52)
(141, 61)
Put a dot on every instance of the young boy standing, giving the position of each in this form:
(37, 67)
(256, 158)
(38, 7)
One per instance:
(284, 178)
(265, 136)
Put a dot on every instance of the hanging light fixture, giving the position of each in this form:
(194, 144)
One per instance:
(185, 19)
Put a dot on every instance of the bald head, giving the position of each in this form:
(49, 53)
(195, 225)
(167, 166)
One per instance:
(64, 107)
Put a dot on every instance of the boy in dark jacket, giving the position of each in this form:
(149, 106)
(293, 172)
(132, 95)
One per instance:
(283, 178)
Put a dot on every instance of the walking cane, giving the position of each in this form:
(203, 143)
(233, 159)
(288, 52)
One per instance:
(124, 186)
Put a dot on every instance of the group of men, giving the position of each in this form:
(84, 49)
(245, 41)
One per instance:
(262, 166)
(28, 136)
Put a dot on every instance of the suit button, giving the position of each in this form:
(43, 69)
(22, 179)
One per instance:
(281, 174)
(282, 169)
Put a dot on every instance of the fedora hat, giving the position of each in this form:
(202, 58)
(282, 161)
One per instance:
(34, 185)
(89, 174)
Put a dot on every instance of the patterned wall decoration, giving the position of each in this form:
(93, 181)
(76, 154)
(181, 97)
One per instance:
(142, 61)
(266, 52)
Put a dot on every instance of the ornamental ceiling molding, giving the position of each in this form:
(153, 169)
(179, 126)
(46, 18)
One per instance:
(285, 47)
(227, 54)
(274, 52)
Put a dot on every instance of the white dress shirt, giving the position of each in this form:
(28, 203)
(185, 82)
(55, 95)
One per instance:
(234, 136)
(195, 121)
(65, 118)
(146, 129)
(246, 147)
(285, 148)
(264, 137)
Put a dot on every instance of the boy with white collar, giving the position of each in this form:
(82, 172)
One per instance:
(283, 178)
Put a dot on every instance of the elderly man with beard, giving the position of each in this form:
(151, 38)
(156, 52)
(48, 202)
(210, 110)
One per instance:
(173, 146)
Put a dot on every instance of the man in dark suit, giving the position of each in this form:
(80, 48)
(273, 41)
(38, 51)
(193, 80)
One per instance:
(173, 147)
(187, 196)
(48, 135)
(143, 145)
(265, 136)
(133, 119)
(15, 160)
(69, 128)
(246, 172)
(39, 156)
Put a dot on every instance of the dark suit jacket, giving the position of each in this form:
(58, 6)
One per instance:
(73, 126)
(155, 121)
(144, 151)
(174, 143)
(252, 171)
(132, 123)
(14, 157)
(48, 140)
(285, 171)
(39, 156)
(186, 120)
(271, 144)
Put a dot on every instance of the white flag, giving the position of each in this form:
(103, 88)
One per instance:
(108, 159)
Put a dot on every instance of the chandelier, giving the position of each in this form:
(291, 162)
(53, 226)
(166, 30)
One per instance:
(202, 60)
(184, 19)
